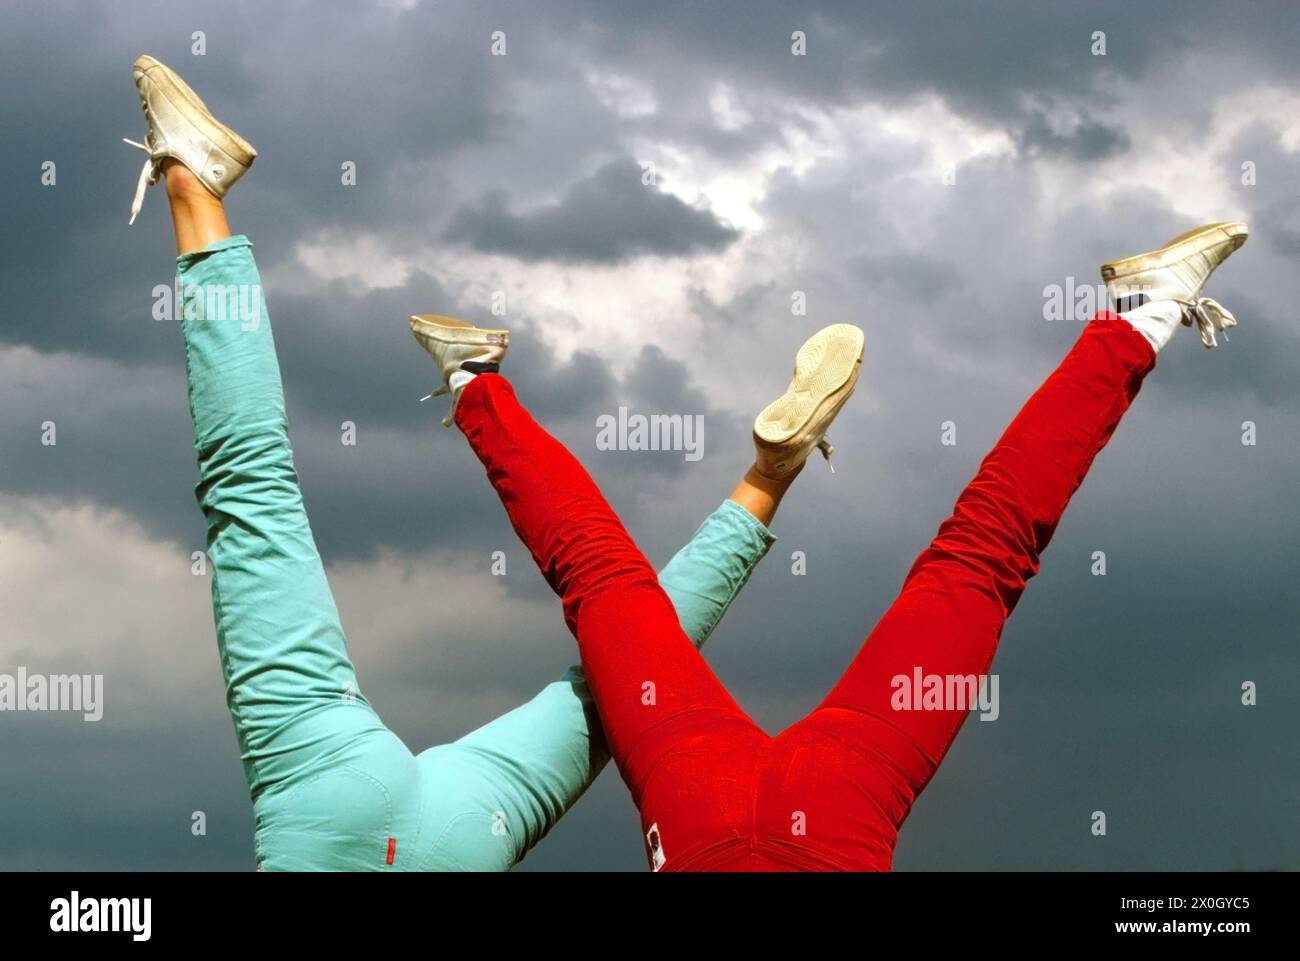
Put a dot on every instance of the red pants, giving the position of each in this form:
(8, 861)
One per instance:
(830, 793)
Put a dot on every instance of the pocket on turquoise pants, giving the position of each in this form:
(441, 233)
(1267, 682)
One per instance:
(362, 814)
(472, 841)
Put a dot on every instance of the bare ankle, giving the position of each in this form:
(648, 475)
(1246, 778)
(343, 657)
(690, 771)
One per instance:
(181, 182)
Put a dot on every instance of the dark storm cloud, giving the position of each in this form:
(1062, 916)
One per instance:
(1084, 139)
(992, 62)
(913, 275)
(325, 110)
(739, 309)
(1280, 225)
(425, 460)
(110, 419)
(1267, 179)
(107, 421)
(609, 217)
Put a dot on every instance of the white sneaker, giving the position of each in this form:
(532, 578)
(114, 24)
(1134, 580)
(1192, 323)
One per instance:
(182, 127)
(825, 374)
(1177, 272)
(455, 346)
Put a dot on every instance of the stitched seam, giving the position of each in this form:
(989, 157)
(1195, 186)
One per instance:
(447, 829)
(683, 713)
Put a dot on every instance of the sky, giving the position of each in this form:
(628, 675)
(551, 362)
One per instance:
(650, 189)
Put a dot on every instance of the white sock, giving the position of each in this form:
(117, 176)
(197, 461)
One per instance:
(1156, 320)
(458, 379)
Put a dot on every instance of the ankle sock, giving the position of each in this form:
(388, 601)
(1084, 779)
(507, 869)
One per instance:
(1156, 320)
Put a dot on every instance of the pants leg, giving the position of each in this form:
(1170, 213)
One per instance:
(960, 591)
(314, 752)
(644, 673)
(707, 574)
(532, 764)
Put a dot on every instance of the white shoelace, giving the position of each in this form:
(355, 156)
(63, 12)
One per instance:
(1209, 316)
(827, 449)
(148, 176)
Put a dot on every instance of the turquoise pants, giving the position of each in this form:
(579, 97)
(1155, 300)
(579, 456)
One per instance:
(332, 787)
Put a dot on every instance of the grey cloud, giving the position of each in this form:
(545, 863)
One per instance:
(1273, 197)
(606, 218)
(741, 309)
(987, 63)
(915, 276)
(344, 357)
(1082, 139)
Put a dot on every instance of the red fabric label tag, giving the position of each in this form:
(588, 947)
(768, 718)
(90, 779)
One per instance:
(392, 849)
